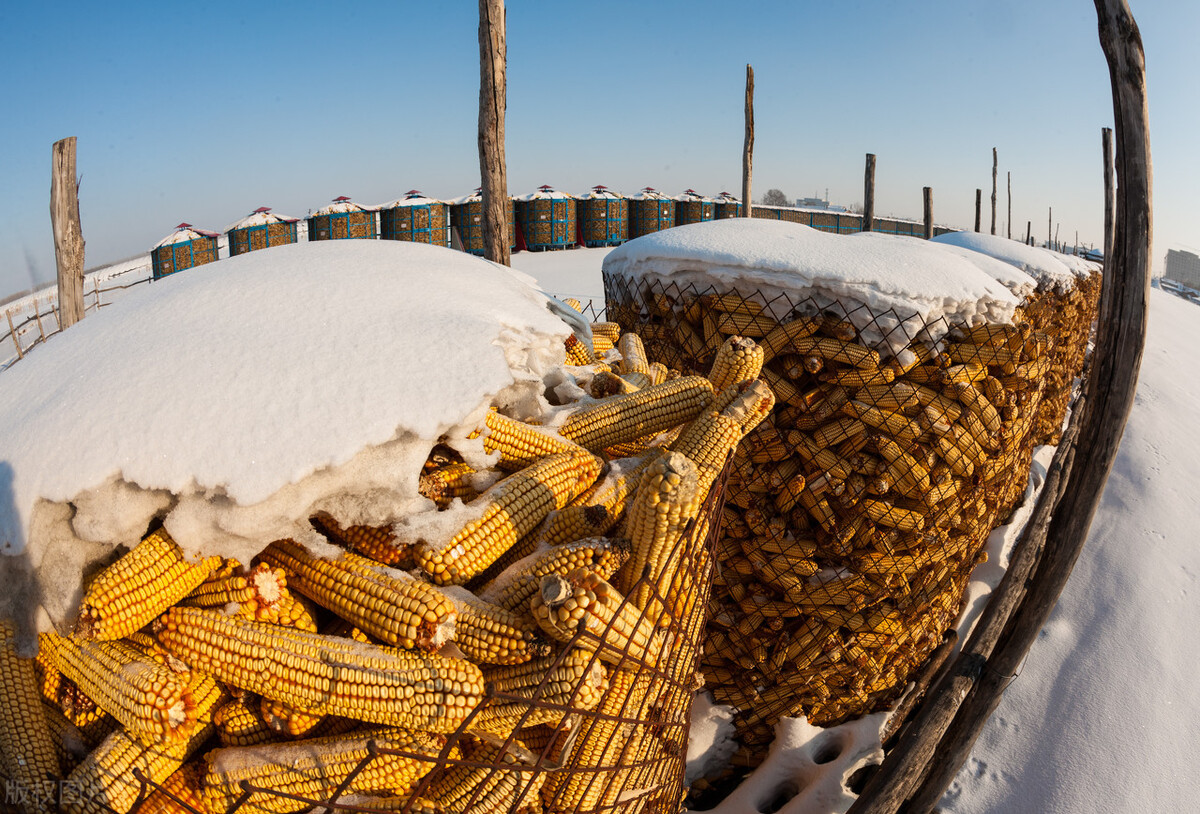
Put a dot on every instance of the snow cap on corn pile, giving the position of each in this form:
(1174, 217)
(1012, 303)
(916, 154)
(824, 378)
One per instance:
(1042, 265)
(237, 400)
(917, 282)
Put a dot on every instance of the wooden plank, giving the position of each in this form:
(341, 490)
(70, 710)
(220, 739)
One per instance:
(748, 144)
(68, 233)
(492, 103)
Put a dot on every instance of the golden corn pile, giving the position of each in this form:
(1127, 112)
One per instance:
(605, 221)
(250, 239)
(542, 659)
(650, 214)
(467, 217)
(548, 222)
(420, 223)
(856, 511)
(342, 225)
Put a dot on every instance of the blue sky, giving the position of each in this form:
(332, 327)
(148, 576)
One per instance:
(203, 112)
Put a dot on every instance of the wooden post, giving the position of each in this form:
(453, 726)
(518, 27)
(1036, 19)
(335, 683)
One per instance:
(1028, 233)
(995, 164)
(928, 194)
(1049, 226)
(492, 104)
(978, 207)
(1106, 146)
(748, 144)
(13, 333)
(1010, 204)
(68, 233)
(868, 218)
(37, 315)
(1057, 248)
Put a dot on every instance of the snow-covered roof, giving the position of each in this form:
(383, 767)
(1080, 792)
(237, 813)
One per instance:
(235, 404)
(693, 195)
(906, 285)
(259, 217)
(649, 194)
(1044, 266)
(183, 234)
(412, 200)
(544, 193)
(600, 192)
(343, 205)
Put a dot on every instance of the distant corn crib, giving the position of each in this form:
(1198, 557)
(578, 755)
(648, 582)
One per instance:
(544, 659)
(856, 511)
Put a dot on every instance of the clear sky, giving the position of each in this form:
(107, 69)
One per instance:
(203, 112)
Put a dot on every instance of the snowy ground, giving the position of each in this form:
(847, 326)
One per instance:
(1104, 715)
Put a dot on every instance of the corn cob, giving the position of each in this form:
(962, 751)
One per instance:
(489, 634)
(749, 401)
(521, 444)
(288, 719)
(658, 373)
(509, 510)
(707, 442)
(541, 691)
(578, 353)
(239, 722)
(149, 698)
(377, 543)
(180, 793)
(888, 514)
(598, 510)
(27, 754)
(256, 593)
(128, 594)
(513, 590)
(601, 345)
(606, 384)
(611, 330)
(315, 769)
(650, 411)
(389, 605)
(974, 400)
(369, 683)
(894, 424)
(297, 612)
(633, 354)
(583, 601)
(574, 304)
(444, 483)
(497, 787)
(45, 670)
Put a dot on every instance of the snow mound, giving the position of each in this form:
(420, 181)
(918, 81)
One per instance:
(911, 289)
(237, 400)
(1044, 266)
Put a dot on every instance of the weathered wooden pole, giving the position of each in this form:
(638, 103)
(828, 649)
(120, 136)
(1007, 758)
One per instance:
(868, 218)
(492, 104)
(1106, 145)
(1010, 204)
(995, 164)
(68, 232)
(1049, 226)
(978, 208)
(927, 193)
(1028, 233)
(748, 143)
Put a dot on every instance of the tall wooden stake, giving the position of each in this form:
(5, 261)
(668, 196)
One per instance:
(1010, 204)
(868, 218)
(1028, 233)
(978, 208)
(928, 195)
(1106, 145)
(492, 105)
(1049, 226)
(995, 164)
(68, 232)
(748, 143)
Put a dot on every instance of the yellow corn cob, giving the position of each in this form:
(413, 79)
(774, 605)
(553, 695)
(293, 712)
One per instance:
(521, 444)
(443, 484)
(887, 514)
(907, 472)
(639, 381)
(315, 769)
(541, 691)
(578, 353)
(781, 337)
(598, 510)
(611, 330)
(377, 543)
(148, 698)
(959, 451)
(964, 373)
(128, 594)
(707, 442)
(970, 421)
(730, 304)
(789, 493)
(835, 432)
(749, 401)
(965, 353)
(894, 424)
(501, 785)
(256, 593)
(895, 396)
(836, 350)
(387, 604)
(106, 781)
(288, 719)
(513, 590)
(574, 303)
(862, 377)
(633, 354)
(1010, 337)
(649, 411)
(974, 400)
(601, 344)
(45, 670)
(614, 627)
(370, 683)
(297, 612)
(489, 634)
(658, 373)
(180, 793)
(948, 407)
(739, 358)
(509, 510)
(27, 754)
(730, 323)
(239, 722)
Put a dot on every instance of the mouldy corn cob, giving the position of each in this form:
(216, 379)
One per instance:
(583, 609)
(513, 590)
(646, 412)
(376, 543)
(148, 698)
(489, 634)
(314, 769)
(521, 444)
(27, 753)
(389, 605)
(541, 691)
(510, 510)
(128, 594)
(444, 483)
(369, 683)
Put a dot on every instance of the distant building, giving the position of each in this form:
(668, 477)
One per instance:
(1183, 267)
(818, 203)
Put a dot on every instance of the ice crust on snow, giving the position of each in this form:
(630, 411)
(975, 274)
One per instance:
(237, 400)
(1044, 266)
(911, 290)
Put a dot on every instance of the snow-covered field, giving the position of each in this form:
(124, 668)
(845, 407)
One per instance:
(1103, 716)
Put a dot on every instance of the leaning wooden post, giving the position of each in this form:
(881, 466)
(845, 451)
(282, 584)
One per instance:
(868, 218)
(1106, 146)
(1028, 233)
(928, 194)
(978, 207)
(492, 94)
(995, 163)
(748, 143)
(68, 232)
(1010, 205)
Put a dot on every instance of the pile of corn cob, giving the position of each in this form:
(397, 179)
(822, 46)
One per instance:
(856, 512)
(542, 659)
